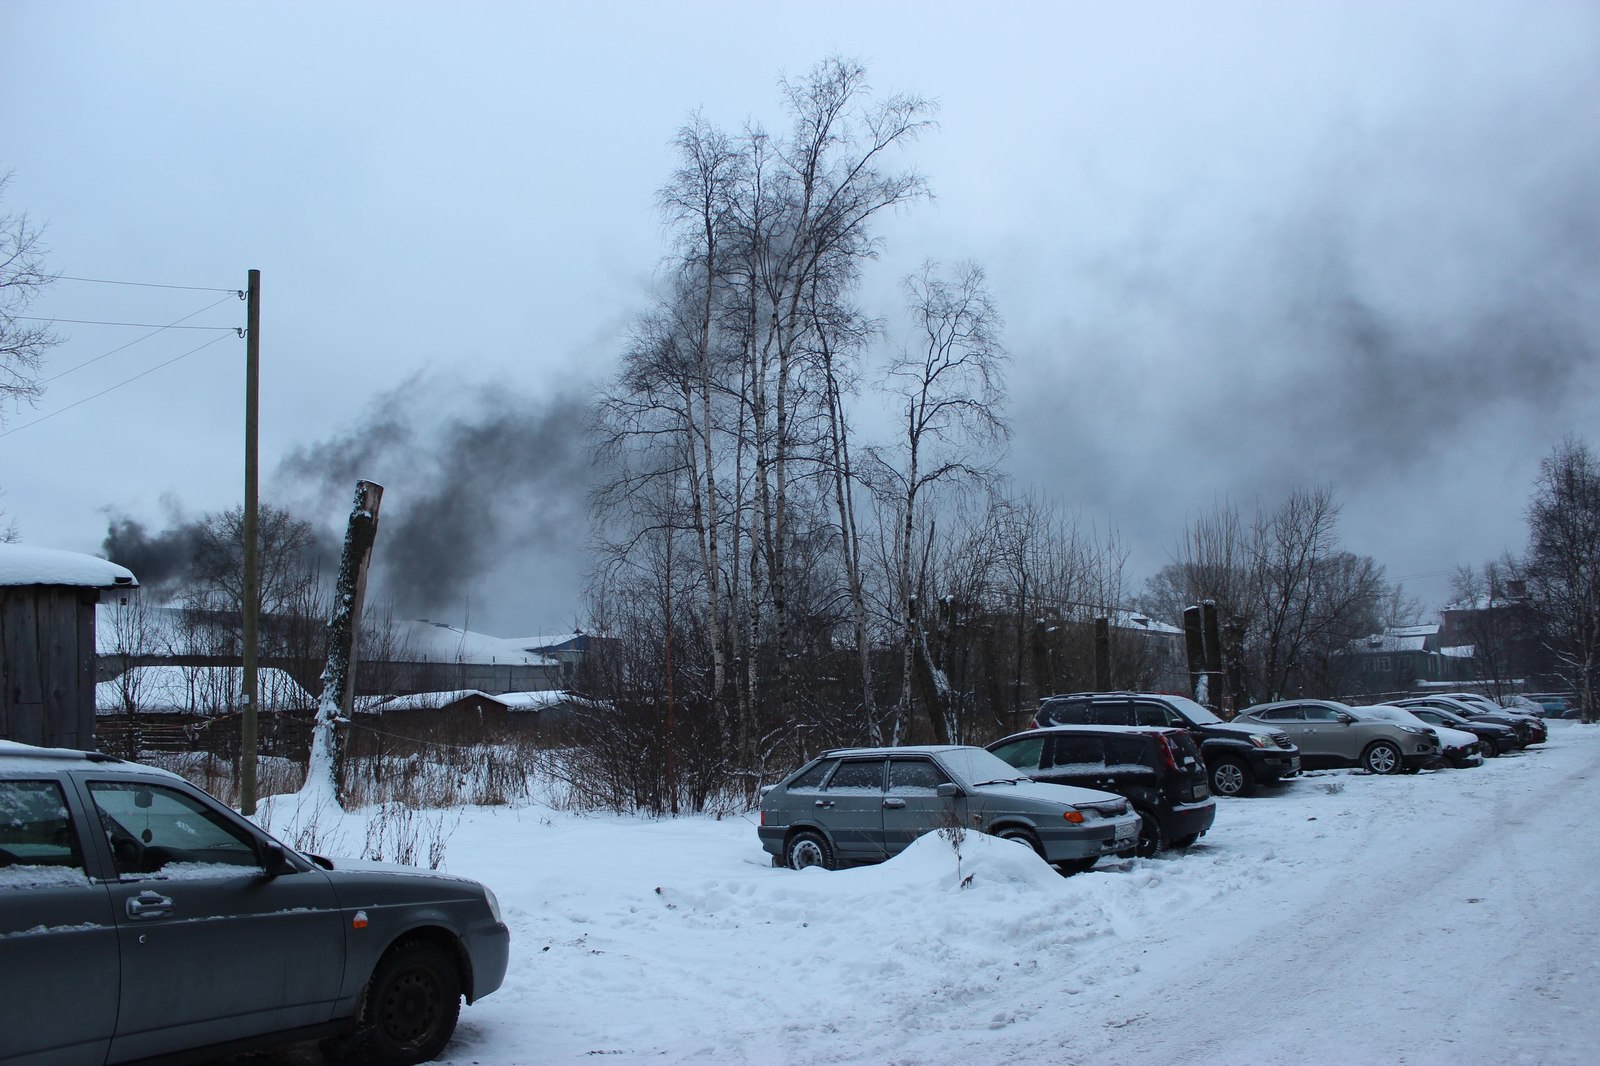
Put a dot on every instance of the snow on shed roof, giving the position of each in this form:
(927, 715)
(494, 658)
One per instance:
(22, 564)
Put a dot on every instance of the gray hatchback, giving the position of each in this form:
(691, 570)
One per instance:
(140, 918)
(862, 805)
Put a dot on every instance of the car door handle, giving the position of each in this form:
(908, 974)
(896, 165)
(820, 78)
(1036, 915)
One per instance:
(148, 905)
(894, 804)
(824, 804)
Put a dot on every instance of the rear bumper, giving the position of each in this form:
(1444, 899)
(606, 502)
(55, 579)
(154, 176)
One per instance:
(1189, 819)
(1089, 841)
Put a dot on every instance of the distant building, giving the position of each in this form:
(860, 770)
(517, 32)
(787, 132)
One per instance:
(47, 642)
(1399, 659)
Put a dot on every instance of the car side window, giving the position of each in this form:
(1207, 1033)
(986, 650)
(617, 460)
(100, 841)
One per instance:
(36, 828)
(1023, 754)
(858, 775)
(1131, 751)
(152, 827)
(1081, 751)
(812, 778)
(1149, 714)
(1319, 713)
(1110, 713)
(1280, 714)
(915, 777)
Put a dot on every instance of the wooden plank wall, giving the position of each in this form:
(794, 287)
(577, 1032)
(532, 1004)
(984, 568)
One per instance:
(47, 666)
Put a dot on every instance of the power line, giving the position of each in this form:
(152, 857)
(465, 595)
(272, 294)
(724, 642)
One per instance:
(171, 325)
(145, 284)
(113, 388)
(139, 325)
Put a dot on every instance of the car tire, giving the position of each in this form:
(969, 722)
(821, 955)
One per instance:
(1022, 836)
(1382, 757)
(1491, 749)
(807, 849)
(1230, 777)
(1151, 837)
(411, 1006)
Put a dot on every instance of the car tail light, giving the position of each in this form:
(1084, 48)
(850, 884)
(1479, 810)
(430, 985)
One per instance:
(763, 818)
(1075, 817)
(1168, 758)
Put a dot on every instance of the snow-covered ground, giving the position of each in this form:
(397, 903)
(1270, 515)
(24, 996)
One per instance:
(1448, 917)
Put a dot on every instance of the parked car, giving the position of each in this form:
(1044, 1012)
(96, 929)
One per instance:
(1459, 747)
(1160, 771)
(864, 805)
(1330, 733)
(1495, 738)
(141, 918)
(1238, 756)
(1530, 730)
(1490, 706)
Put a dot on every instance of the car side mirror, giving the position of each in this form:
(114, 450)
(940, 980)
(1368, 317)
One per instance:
(948, 790)
(275, 860)
(1345, 719)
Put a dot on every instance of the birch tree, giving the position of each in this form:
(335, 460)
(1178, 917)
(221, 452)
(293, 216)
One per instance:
(1563, 565)
(949, 384)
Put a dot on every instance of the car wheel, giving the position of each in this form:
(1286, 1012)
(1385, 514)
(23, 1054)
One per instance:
(1022, 836)
(809, 849)
(1382, 757)
(1151, 838)
(1490, 749)
(1230, 777)
(411, 1007)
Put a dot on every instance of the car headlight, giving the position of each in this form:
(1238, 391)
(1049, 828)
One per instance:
(1261, 740)
(494, 904)
(1417, 732)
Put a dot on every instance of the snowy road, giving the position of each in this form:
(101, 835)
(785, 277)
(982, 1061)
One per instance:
(1449, 917)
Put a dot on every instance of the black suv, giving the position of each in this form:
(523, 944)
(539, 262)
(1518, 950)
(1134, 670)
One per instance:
(1239, 757)
(1159, 770)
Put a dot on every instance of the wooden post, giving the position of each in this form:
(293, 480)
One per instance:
(1102, 655)
(344, 629)
(250, 590)
(1194, 644)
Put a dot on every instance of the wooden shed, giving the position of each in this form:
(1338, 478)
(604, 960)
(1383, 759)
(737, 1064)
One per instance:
(47, 647)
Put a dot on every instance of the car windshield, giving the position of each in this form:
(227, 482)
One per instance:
(1193, 711)
(978, 767)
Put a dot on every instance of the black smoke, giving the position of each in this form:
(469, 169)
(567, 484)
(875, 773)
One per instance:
(484, 517)
(162, 561)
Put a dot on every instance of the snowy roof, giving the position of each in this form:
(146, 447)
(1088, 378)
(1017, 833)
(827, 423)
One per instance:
(1391, 641)
(195, 689)
(24, 565)
(440, 642)
(512, 701)
(1144, 623)
(1429, 630)
(423, 701)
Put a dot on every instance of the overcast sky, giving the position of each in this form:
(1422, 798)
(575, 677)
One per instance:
(1239, 248)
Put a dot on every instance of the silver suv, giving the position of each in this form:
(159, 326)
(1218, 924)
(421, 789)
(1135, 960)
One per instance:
(1329, 733)
(862, 805)
(141, 918)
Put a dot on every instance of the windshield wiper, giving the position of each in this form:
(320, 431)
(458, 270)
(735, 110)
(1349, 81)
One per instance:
(1000, 781)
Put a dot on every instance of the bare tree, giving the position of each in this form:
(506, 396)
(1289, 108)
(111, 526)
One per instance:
(23, 344)
(1563, 565)
(950, 386)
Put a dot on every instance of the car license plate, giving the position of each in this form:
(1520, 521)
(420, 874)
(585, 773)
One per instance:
(1126, 832)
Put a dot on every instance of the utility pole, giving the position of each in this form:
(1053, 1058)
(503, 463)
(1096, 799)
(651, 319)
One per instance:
(252, 577)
